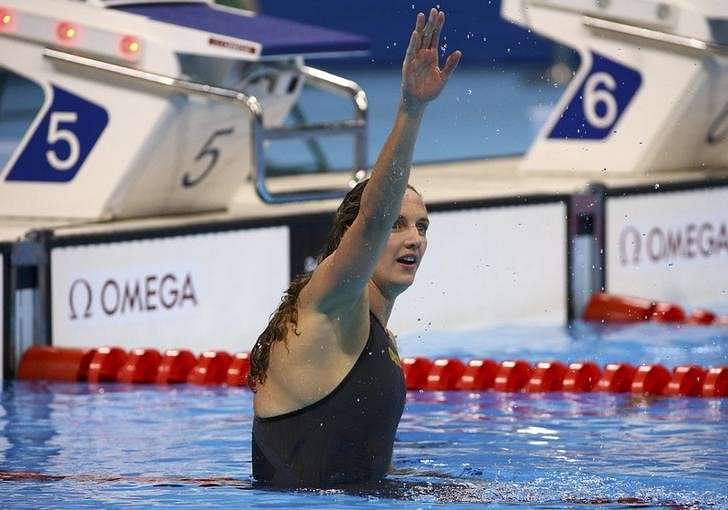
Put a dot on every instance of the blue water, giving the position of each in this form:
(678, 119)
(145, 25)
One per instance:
(115, 446)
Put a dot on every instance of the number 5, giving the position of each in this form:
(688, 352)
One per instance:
(207, 150)
(62, 135)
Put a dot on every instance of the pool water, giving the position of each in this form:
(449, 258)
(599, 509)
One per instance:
(115, 446)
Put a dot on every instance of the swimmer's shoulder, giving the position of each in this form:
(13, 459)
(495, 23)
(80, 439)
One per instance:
(315, 358)
(318, 335)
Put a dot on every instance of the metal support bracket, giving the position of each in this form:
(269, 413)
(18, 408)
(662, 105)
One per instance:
(29, 295)
(658, 36)
(585, 232)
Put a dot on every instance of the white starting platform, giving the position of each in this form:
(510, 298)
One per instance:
(174, 236)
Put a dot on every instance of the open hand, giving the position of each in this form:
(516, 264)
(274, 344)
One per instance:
(422, 78)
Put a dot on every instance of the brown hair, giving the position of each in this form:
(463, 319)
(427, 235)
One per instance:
(287, 314)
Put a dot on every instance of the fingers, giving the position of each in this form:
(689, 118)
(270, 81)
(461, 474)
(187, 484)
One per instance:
(451, 63)
(414, 44)
(429, 28)
(438, 28)
(420, 23)
(427, 36)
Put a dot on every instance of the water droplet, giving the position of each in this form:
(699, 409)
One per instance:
(469, 92)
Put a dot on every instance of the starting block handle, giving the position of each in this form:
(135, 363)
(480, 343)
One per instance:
(317, 78)
(655, 35)
(326, 82)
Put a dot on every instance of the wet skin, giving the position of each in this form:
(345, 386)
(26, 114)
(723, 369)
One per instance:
(408, 237)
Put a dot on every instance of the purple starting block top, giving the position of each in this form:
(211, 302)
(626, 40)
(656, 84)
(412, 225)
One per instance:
(276, 36)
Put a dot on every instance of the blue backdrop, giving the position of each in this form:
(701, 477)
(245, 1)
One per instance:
(475, 27)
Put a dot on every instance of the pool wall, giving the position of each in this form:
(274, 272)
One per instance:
(213, 289)
(212, 286)
(513, 260)
(668, 242)
(479, 260)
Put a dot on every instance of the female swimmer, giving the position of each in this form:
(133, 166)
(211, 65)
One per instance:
(329, 391)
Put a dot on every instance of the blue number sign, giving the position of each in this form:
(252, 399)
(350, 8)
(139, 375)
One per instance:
(600, 101)
(62, 140)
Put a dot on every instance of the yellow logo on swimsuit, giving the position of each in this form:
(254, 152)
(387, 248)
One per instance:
(394, 356)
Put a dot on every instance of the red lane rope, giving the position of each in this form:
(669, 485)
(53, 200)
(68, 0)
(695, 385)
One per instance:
(610, 308)
(113, 364)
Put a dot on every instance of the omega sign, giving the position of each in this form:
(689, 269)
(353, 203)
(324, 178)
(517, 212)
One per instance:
(116, 297)
(704, 240)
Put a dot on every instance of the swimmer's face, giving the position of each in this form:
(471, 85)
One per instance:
(396, 268)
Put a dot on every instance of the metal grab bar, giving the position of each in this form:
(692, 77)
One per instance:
(325, 81)
(318, 78)
(655, 35)
(718, 131)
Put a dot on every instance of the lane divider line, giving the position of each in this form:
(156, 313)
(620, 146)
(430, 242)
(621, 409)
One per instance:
(611, 308)
(581, 377)
(211, 368)
(140, 366)
(55, 363)
(106, 364)
(175, 366)
(479, 375)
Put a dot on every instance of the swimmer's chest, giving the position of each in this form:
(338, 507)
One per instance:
(315, 358)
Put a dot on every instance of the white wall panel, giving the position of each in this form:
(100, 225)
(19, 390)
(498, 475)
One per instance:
(485, 267)
(669, 246)
(206, 291)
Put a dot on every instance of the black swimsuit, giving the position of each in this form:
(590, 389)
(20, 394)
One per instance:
(347, 436)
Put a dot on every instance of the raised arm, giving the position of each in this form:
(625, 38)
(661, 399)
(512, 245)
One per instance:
(340, 280)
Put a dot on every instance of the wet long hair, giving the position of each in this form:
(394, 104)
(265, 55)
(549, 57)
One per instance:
(286, 315)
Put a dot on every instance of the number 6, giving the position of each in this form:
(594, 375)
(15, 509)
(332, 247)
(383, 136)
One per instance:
(594, 96)
(64, 135)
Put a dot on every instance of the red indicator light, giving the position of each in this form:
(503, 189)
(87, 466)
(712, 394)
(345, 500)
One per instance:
(7, 20)
(66, 32)
(130, 46)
